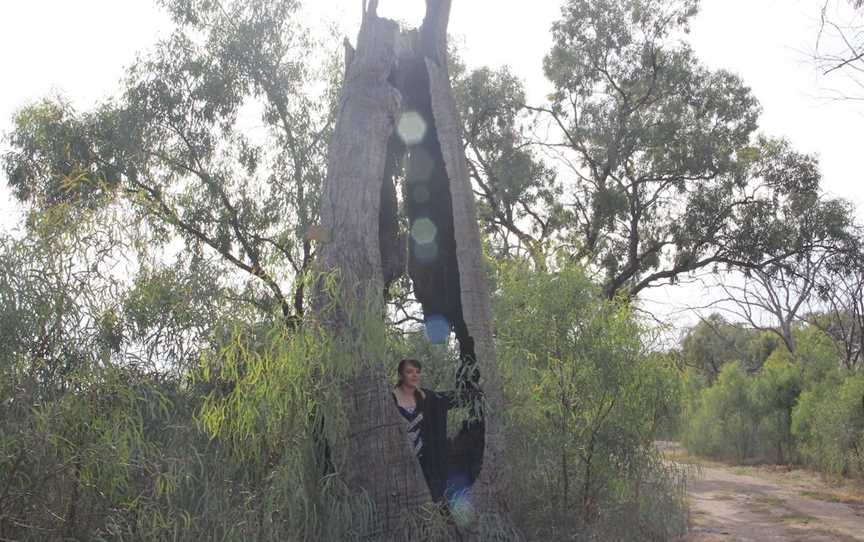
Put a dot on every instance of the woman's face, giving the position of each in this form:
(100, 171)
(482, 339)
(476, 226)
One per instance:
(411, 376)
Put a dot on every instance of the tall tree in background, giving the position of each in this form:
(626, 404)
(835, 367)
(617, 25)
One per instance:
(519, 199)
(838, 307)
(176, 144)
(665, 175)
(774, 299)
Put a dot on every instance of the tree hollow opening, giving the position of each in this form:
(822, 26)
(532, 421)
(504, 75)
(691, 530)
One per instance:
(415, 158)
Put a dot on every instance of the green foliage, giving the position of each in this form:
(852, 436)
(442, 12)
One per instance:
(658, 154)
(53, 162)
(519, 197)
(173, 312)
(743, 416)
(585, 404)
(232, 452)
(714, 341)
(173, 144)
(817, 354)
(775, 394)
(110, 456)
(829, 424)
(796, 408)
(56, 292)
(723, 423)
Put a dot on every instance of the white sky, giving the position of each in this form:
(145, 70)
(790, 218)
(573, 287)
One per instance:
(79, 48)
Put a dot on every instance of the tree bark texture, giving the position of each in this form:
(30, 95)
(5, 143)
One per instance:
(351, 207)
(389, 76)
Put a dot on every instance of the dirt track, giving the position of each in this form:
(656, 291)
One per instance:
(748, 504)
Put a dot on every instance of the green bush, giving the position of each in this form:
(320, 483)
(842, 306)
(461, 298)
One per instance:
(228, 452)
(743, 417)
(585, 403)
(723, 422)
(795, 408)
(227, 456)
(828, 423)
(817, 353)
(775, 392)
(106, 457)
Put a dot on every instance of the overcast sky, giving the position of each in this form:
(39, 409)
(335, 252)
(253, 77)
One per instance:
(79, 49)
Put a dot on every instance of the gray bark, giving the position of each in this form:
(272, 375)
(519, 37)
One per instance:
(383, 466)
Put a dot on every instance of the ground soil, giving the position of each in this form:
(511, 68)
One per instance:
(769, 503)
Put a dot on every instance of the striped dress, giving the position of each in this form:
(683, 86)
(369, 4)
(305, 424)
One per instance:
(414, 416)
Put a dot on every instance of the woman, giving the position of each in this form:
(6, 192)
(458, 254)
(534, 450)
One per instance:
(426, 414)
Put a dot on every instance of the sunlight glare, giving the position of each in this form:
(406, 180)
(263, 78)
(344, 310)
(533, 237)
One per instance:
(410, 12)
(411, 128)
(424, 231)
(437, 328)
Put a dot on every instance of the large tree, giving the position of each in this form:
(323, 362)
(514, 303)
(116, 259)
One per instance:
(662, 171)
(519, 198)
(397, 107)
(177, 144)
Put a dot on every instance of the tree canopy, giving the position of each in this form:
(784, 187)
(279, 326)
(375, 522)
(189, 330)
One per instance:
(176, 143)
(651, 166)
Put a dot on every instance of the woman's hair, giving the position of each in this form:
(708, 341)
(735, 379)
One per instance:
(400, 369)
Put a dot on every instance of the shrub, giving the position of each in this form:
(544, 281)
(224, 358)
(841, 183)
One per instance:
(775, 392)
(585, 404)
(828, 423)
(723, 423)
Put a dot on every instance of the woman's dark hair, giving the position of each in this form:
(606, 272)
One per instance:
(400, 369)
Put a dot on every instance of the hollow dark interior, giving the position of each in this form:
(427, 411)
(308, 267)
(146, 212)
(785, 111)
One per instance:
(431, 242)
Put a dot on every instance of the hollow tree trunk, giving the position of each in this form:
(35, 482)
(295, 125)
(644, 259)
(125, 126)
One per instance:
(351, 207)
(392, 73)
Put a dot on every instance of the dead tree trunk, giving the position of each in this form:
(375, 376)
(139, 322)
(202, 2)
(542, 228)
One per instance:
(397, 104)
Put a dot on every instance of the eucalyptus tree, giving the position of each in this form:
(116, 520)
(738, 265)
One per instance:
(218, 135)
(774, 298)
(664, 172)
(56, 315)
(519, 198)
(712, 343)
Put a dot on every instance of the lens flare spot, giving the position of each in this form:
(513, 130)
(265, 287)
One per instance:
(411, 128)
(423, 231)
(437, 329)
(426, 253)
(462, 508)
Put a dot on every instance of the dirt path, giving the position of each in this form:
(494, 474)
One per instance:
(750, 504)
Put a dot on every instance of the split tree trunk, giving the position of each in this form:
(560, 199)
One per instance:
(390, 73)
